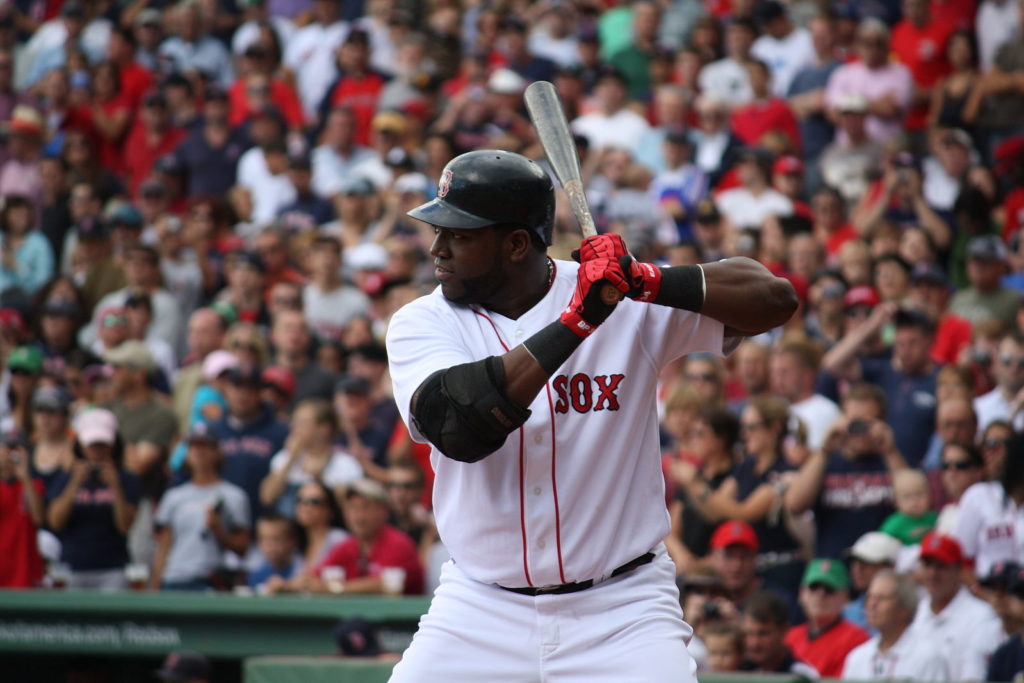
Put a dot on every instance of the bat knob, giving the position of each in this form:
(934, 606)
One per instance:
(611, 296)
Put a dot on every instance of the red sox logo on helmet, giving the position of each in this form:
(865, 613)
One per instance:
(444, 183)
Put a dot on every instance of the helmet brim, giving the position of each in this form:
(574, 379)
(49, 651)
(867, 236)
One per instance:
(439, 212)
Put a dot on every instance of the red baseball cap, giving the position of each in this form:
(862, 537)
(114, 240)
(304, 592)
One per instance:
(861, 295)
(787, 164)
(941, 548)
(734, 532)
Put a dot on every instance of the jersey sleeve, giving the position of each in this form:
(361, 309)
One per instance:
(422, 339)
(669, 333)
(970, 520)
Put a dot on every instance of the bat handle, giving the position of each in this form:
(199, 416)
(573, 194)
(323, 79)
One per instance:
(611, 296)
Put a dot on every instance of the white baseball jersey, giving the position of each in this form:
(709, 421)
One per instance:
(914, 657)
(966, 631)
(578, 490)
(990, 527)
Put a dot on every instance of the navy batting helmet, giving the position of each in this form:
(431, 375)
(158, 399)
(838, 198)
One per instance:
(491, 186)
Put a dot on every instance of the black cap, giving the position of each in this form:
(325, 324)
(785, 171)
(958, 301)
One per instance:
(607, 71)
(357, 36)
(92, 228)
(170, 164)
(184, 666)
(677, 135)
(707, 211)
(62, 307)
(352, 384)
(73, 9)
(928, 273)
(14, 438)
(201, 432)
(987, 248)
(1001, 574)
(769, 11)
(247, 258)
(51, 398)
(372, 351)
(155, 99)
(246, 374)
(356, 637)
(300, 162)
(912, 317)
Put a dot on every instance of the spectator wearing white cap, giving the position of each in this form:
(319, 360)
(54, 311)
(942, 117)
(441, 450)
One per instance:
(872, 553)
(92, 506)
(898, 651)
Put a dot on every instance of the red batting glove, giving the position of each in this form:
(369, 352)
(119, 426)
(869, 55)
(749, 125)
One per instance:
(587, 309)
(644, 279)
(607, 245)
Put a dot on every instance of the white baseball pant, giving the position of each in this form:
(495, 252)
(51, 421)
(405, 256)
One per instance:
(629, 628)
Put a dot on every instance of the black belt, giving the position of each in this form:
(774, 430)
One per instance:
(577, 586)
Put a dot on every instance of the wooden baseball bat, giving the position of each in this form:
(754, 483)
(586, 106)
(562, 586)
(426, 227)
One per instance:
(553, 130)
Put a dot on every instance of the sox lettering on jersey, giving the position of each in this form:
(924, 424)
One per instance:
(584, 393)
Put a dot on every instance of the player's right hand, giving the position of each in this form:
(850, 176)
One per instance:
(594, 247)
(587, 309)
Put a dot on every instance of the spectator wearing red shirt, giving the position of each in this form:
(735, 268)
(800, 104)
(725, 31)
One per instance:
(930, 292)
(358, 87)
(248, 94)
(828, 215)
(765, 114)
(152, 137)
(826, 638)
(919, 42)
(21, 513)
(136, 80)
(374, 546)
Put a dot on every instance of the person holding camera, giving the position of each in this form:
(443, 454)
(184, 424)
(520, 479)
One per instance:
(848, 483)
(21, 514)
(92, 505)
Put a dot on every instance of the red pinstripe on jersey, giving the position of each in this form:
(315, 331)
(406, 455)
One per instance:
(522, 468)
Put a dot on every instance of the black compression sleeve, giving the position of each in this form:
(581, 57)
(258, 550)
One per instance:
(682, 287)
(552, 346)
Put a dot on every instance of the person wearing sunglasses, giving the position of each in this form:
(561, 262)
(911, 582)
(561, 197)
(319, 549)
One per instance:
(1005, 401)
(962, 468)
(826, 638)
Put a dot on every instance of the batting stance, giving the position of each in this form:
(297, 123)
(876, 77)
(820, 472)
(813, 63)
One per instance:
(539, 402)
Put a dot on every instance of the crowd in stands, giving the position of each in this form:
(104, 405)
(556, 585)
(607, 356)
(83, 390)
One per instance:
(203, 237)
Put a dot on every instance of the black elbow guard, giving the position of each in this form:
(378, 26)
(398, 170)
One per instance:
(464, 411)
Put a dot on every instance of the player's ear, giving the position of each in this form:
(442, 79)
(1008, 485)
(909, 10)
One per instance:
(517, 244)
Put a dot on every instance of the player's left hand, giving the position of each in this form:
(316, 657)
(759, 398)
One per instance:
(644, 279)
(608, 245)
(587, 309)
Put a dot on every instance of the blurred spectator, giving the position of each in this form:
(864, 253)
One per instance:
(986, 297)
(1004, 401)
(198, 520)
(308, 454)
(375, 546)
(365, 429)
(633, 61)
(826, 638)
(794, 368)
(765, 625)
(754, 200)
(931, 293)
(919, 43)
(887, 86)
(275, 540)
(715, 146)
(19, 173)
(26, 258)
(962, 468)
(205, 335)
(908, 378)
(25, 367)
(21, 514)
(725, 646)
(994, 440)
(408, 515)
(318, 521)
(309, 53)
(810, 59)
(753, 370)
(613, 124)
(955, 423)
(734, 546)
(785, 47)
(898, 651)
(1006, 659)
(726, 78)
(92, 507)
(872, 553)
(338, 155)
(997, 590)
(153, 136)
(185, 667)
(914, 516)
(681, 185)
(291, 339)
(52, 449)
(193, 50)
(964, 628)
(249, 434)
(848, 483)
(329, 304)
(765, 113)
(209, 154)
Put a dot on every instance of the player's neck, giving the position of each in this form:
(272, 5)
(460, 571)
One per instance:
(524, 291)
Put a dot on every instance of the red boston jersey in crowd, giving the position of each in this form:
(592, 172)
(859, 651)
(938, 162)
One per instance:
(391, 549)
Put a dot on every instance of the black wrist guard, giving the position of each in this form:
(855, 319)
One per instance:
(552, 346)
(682, 287)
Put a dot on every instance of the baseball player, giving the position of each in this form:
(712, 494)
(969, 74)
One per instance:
(538, 399)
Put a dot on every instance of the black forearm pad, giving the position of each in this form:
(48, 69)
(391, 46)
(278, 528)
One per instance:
(552, 346)
(682, 287)
(464, 410)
